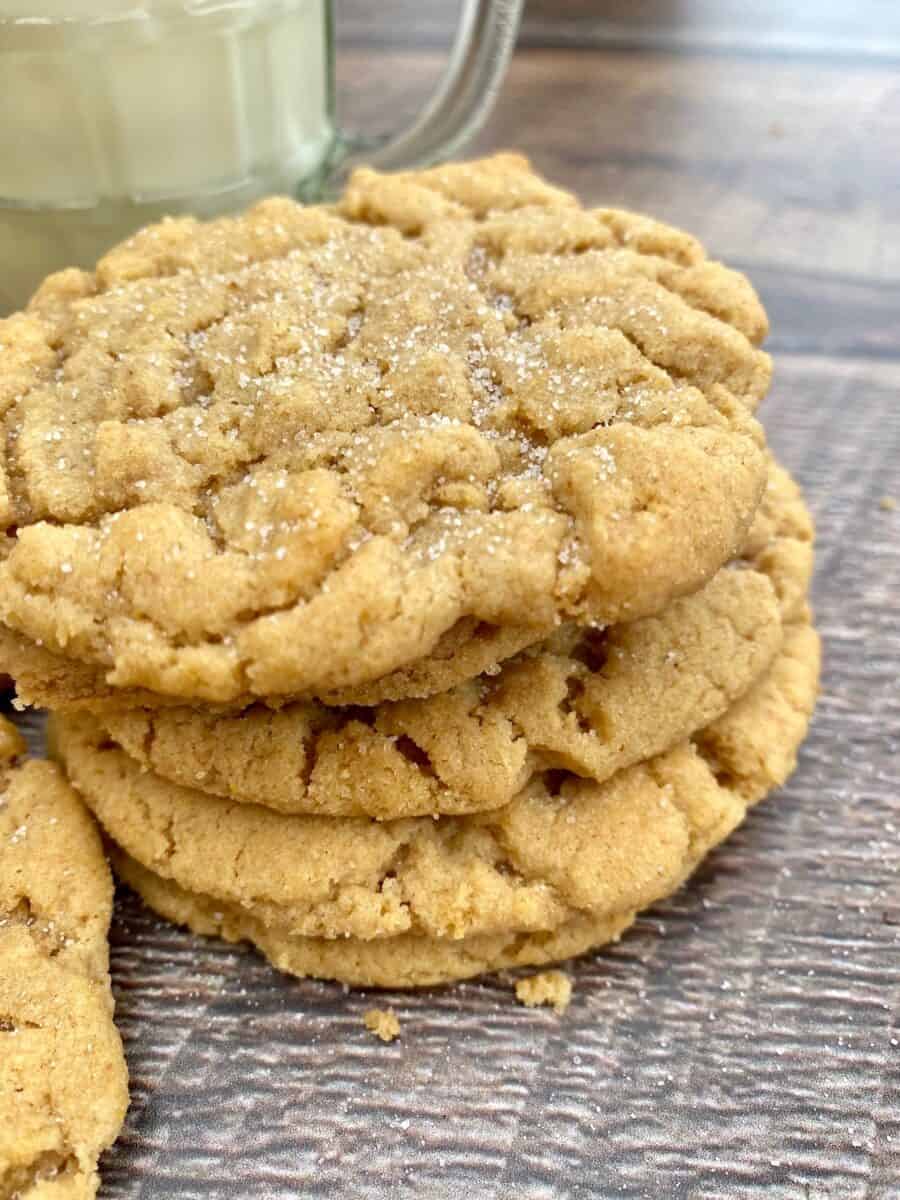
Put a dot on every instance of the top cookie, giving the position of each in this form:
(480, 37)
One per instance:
(287, 452)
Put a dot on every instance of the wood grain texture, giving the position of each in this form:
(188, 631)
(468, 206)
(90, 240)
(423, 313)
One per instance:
(830, 28)
(744, 1040)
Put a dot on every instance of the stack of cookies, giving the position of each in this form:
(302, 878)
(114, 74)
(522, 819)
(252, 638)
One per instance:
(409, 577)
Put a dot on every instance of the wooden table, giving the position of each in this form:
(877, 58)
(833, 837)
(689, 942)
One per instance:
(744, 1039)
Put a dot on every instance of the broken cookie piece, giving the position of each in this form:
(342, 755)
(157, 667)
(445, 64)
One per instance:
(63, 1081)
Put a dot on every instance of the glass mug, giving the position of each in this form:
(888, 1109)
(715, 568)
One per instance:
(116, 112)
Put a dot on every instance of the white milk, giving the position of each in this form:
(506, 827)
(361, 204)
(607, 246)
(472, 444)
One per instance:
(115, 112)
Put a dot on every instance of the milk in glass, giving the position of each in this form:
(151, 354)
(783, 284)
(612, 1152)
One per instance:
(115, 112)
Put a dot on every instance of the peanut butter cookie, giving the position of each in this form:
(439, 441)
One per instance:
(63, 1083)
(688, 801)
(588, 701)
(286, 453)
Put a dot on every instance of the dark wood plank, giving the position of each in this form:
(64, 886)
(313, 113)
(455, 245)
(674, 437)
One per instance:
(830, 29)
(794, 28)
(812, 312)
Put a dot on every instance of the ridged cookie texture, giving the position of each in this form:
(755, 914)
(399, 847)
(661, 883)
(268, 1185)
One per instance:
(589, 701)
(287, 453)
(563, 848)
(682, 805)
(63, 1081)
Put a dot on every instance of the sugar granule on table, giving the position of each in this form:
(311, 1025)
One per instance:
(383, 1023)
(548, 987)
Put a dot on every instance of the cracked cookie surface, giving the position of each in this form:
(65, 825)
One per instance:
(288, 452)
(562, 848)
(589, 701)
(63, 1082)
(707, 786)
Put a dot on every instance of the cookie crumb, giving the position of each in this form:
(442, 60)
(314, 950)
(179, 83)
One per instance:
(383, 1023)
(548, 987)
(887, 503)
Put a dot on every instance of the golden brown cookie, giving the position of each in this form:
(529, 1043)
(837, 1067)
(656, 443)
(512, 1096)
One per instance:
(709, 783)
(589, 701)
(287, 452)
(563, 847)
(63, 1082)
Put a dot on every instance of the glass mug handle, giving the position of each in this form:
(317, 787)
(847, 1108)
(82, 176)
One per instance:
(480, 54)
